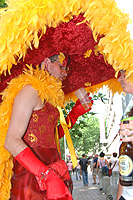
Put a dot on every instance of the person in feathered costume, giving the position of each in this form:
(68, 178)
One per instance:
(38, 169)
(32, 30)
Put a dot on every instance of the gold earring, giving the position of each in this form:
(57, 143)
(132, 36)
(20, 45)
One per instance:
(42, 65)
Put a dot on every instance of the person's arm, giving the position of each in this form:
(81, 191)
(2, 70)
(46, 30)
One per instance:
(107, 163)
(76, 111)
(23, 107)
(80, 163)
(94, 166)
(126, 129)
(110, 162)
(119, 191)
(94, 163)
(24, 104)
(97, 165)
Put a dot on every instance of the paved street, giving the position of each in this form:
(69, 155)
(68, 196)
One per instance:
(90, 192)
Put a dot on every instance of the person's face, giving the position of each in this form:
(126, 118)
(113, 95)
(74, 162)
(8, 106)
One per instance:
(127, 86)
(55, 69)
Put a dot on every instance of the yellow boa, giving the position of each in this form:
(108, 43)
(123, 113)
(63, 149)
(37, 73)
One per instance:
(49, 89)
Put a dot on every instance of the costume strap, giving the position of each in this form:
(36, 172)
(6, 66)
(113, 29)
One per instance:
(68, 138)
(57, 140)
(114, 165)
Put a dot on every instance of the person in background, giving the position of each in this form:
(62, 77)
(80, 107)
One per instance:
(91, 163)
(70, 167)
(84, 164)
(73, 170)
(78, 170)
(102, 162)
(125, 193)
(108, 159)
(114, 161)
(95, 168)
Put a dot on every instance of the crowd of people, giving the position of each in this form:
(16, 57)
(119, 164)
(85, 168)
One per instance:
(98, 165)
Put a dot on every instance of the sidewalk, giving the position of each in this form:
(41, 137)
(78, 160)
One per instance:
(90, 192)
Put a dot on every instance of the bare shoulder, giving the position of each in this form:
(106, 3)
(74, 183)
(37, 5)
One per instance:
(28, 88)
(27, 95)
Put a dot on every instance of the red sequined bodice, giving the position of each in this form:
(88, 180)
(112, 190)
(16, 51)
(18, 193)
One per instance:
(41, 128)
(40, 137)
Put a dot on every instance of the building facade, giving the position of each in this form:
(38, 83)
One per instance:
(116, 109)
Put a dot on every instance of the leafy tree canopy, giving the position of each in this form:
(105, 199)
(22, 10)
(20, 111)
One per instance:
(86, 132)
(3, 4)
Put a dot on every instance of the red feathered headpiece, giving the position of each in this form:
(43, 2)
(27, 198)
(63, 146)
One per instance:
(92, 58)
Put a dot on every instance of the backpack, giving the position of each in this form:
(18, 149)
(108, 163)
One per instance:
(105, 170)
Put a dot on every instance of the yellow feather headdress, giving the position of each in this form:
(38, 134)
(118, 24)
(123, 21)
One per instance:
(93, 33)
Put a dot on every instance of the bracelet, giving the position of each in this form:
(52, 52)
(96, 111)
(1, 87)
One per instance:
(45, 174)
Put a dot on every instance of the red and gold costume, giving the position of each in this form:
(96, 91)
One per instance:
(42, 82)
(40, 137)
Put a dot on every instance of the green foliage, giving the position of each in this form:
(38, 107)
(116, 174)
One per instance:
(62, 148)
(99, 96)
(90, 135)
(3, 4)
(85, 133)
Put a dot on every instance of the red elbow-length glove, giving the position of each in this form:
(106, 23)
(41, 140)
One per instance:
(47, 179)
(76, 111)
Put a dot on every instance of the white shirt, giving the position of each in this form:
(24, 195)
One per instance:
(128, 192)
(78, 166)
(116, 167)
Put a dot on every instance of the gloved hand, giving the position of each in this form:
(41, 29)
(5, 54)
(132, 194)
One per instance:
(46, 178)
(55, 187)
(76, 111)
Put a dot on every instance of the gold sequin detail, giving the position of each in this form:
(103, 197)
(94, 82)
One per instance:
(50, 118)
(32, 137)
(35, 118)
(43, 109)
(49, 138)
(42, 129)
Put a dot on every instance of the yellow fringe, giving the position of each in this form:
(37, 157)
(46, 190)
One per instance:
(112, 85)
(23, 19)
